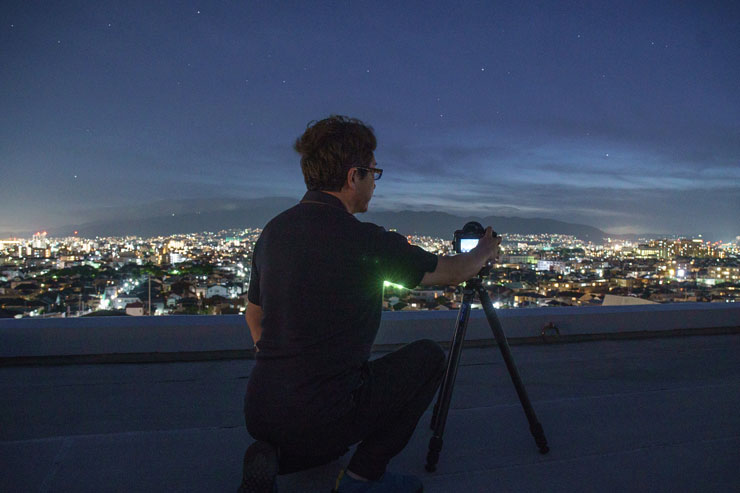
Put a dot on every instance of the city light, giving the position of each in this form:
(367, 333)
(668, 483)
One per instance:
(208, 273)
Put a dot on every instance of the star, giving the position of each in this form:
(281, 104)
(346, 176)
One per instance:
(483, 69)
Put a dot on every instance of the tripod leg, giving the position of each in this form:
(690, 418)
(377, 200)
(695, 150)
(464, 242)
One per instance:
(461, 316)
(445, 379)
(442, 407)
(534, 425)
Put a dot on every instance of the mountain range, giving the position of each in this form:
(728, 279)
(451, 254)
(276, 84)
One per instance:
(443, 225)
(163, 218)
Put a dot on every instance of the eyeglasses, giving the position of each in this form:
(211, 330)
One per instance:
(377, 172)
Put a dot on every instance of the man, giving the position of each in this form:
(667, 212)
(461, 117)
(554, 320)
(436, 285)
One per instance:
(315, 300)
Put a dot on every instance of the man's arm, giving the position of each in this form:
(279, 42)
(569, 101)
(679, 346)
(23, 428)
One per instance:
(452, 270)
(254, 321)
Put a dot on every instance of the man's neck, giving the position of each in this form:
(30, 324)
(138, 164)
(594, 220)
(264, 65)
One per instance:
(343, 197)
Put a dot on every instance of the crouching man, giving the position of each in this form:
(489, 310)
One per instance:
(315, 301)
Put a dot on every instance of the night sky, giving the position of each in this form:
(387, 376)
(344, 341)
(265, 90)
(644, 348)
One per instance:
(621, 115)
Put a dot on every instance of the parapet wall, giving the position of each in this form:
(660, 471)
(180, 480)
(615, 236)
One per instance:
(211, 337)
(573, 323)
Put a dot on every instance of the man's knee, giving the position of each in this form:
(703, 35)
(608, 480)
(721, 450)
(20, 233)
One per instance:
(434, 355)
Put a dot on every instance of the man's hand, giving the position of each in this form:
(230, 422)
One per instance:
(489, 246)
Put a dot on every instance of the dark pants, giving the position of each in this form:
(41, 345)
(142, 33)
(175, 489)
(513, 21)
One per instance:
(396, 390)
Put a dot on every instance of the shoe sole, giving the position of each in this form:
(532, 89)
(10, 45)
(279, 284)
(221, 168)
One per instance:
(260, 468)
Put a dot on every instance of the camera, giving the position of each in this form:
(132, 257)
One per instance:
(467, 238)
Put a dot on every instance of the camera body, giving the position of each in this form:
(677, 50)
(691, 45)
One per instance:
(467, 238)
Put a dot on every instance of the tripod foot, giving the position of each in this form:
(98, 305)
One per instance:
(435, 445)
(539, 437)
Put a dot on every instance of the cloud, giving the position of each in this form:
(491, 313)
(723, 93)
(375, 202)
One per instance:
(702, 209)
(514, 156)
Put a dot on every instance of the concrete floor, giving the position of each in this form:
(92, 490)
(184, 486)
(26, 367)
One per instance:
(629, 415)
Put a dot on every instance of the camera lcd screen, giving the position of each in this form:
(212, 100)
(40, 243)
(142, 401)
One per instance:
(467, 244)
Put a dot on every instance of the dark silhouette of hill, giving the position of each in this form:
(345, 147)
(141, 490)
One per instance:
(443, 225)
(176, 217)
(205, 215)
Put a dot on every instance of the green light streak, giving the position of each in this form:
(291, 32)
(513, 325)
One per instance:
(393, 285)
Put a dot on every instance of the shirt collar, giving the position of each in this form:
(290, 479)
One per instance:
(323, 198)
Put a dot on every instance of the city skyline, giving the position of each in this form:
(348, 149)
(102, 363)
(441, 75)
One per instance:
(208, 273)
(622, 117)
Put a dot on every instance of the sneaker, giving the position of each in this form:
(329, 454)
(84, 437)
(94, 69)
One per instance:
(388, 483)
(260, 469)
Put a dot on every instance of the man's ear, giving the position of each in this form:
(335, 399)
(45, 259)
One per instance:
(351, 178)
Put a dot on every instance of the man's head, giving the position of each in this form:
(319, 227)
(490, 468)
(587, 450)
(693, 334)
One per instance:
(330, 148)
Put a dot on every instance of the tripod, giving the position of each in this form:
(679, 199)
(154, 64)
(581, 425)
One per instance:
(442, 407)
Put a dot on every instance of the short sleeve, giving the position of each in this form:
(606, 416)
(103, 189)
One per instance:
(253, 293)
(402, 263)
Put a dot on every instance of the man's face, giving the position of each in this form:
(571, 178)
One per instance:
(365, 189)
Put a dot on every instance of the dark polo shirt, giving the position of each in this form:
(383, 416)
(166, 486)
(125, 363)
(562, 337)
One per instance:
(317, 273)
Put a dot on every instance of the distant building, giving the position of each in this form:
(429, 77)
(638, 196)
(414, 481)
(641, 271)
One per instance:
(135, 309)
(173, 299)
(553, 266)
(518, 259)
(530, 298)
(217, 290)
(647, 251)
(427, 294)
(176, 258)
(122, 301)
(613, 300)
(110, 291)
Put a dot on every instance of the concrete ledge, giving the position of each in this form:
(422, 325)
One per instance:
(190, 356)
(527, 323)
(193, 338)
(109, 335)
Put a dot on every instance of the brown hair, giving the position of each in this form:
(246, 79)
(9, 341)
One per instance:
(330, 147)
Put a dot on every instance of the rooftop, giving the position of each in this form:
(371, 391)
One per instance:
(653, 408)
